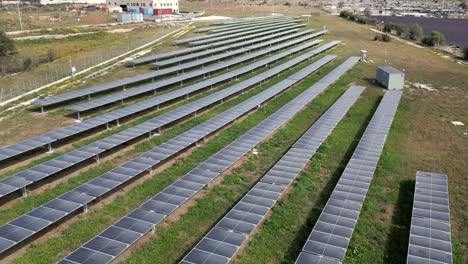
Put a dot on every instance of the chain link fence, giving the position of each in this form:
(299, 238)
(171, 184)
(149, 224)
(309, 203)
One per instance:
(20, 83)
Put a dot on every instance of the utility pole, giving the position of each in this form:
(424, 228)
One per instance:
(19, 15)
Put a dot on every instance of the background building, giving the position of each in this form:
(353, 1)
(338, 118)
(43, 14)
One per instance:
(144, 6)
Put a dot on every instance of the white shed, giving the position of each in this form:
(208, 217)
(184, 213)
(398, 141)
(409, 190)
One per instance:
(390, 77)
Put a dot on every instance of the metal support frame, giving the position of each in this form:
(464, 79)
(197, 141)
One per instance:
(49, 146)
(85, 208)
(24, 192)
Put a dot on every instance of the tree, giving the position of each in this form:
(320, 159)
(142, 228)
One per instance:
(402, 30)
(435, 39)
(7, 45)
(438, 38)
(416, 32)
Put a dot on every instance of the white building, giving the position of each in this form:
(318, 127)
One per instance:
(169, 6)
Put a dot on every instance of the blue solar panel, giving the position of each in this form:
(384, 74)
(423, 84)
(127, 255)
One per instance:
(173, 196)
(332, 233)
(244, 217)
(100, 186)
(87, 152)
(430, 238)
(142, 77)
(234, 33)
(155, 102)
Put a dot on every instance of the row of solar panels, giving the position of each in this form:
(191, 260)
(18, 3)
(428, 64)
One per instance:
(153, 87)
(23, 179)
(236, 32)
(244, 24)
(48, 214)
(430, 238)
(171, 54)
(332, 233)
(197, 55)
(250, 211)
(105, 247)
(60, 134)
(136, 79)
(250, 19)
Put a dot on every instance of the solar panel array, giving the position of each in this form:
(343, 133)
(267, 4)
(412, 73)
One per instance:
(244, 27)
(60, 134)
(104, 248)
(289, 34)
(23, 179)
(332, 233)
(243, 24)
(153, 87)
(233, 32)
(172, 54)
(249, 212)
(226, 40)
(26, 226)
(430, 238)
(131, 80)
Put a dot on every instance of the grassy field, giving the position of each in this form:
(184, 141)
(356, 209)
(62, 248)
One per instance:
(421, 138)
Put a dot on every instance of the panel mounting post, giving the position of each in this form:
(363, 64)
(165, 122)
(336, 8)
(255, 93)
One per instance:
(51, 150)
(24, 192)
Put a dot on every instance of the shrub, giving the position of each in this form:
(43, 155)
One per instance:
(402, 30)
(27, 64)
(382, 37)
(416, 32)
(386, 38)
(51, 54)
(436, 38)
(7, 45)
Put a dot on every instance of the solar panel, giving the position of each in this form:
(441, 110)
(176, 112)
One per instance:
(99, 186)
(243, 24)
(430, 238)
(253, 207)
(150, 76)
(244, 27)
(153, 87)
(229, 38)
(105, 119)
(275, 121)
(31, 175)
(235, 33)
(332, 233)
(270, 39)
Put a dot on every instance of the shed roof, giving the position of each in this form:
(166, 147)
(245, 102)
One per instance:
(390, 70)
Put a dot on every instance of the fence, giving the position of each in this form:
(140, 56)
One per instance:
(15, 85)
